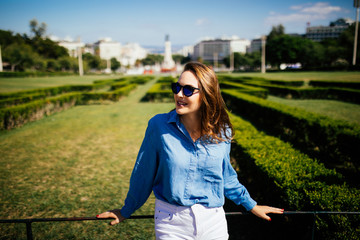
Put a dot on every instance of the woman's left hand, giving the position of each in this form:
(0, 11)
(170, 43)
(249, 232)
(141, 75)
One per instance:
(262, 211)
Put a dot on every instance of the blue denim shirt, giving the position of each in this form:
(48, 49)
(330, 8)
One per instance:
(181, 171)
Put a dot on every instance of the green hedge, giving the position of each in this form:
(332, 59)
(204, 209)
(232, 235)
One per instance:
(16, 116)
(33, 74)
(295, 83)
(256, 91)
(21, 99)
(110, 96)
(332, 141)
(337, 84)
(341, 94)
(290, 179)
(51, 91)
(160, 91)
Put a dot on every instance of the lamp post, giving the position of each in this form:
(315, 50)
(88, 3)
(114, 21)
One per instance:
(1, 66)
(263, 44)
(81, 69)
(356, 5)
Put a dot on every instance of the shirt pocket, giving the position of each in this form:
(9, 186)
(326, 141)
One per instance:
(214, 184)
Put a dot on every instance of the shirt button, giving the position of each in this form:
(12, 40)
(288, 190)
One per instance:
(196, 201)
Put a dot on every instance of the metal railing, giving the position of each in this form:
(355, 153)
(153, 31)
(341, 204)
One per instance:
(29, 221)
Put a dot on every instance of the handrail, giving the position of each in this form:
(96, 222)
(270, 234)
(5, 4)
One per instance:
(29, 221)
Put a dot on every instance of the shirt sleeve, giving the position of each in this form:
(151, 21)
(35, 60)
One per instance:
(233, 189)
(143, 174)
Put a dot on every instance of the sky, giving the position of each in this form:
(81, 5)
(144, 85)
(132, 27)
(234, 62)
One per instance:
(187, 22)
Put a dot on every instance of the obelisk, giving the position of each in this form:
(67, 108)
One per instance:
(168, 61)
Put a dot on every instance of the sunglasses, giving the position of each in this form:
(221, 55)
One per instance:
(187, 89)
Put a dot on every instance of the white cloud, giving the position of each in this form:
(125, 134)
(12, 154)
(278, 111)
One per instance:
(304, 13)
(201, 22)
(321, 8)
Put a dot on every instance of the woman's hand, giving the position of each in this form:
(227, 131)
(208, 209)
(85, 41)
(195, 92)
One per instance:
(262, 211)
(112, 214)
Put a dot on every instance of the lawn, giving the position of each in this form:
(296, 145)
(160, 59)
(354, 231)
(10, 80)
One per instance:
(75, 163)
(328, 76)
(78, 162)
(334, 109)
(27, 83)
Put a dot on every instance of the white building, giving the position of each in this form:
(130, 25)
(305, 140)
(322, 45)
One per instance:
(107, 49)
(218, 49)
(186, 51)
(72, 47)
(130, 53)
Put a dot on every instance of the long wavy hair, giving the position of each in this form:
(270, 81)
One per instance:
(215, 121)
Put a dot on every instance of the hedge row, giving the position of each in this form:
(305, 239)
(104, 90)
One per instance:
(21, 99)
(342, 84)
(51, 91)
(255, 91)
(160, 91)
(16, 116)
(297, 181)
(341, 94)
(295, 83)
(33, 74)
(332, 141)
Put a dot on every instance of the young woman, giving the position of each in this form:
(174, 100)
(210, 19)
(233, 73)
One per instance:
(185, 160)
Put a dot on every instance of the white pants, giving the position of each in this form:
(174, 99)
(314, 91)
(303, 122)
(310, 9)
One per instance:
(195, 222)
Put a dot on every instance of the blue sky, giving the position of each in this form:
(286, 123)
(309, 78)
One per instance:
(186, 21)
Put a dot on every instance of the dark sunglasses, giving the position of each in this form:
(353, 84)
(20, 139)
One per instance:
(187, 89)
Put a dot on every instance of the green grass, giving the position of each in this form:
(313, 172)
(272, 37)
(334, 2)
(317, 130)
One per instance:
(28, 83)
(328, 76)
(75, 163)
(334, 109)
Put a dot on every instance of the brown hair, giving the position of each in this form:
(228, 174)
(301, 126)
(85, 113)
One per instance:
(215, 120)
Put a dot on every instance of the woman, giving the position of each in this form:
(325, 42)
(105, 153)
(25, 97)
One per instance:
(185, 160)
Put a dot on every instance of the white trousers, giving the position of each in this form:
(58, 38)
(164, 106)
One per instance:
(195, 222)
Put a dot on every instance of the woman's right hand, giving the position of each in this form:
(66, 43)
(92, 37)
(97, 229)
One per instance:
(116, 214)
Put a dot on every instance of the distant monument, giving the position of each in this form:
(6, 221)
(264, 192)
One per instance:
(168, 64)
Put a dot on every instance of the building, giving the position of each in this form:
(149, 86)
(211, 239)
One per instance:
(216, 50)
(72, 47)
(334, 30)
(255, 46)
(107, 49)
(130, 53)
(186, 51)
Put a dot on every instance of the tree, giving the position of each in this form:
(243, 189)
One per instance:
(94, 62)
(38, 29)
(49, 49)
(115, 64)
(276, 31)
(248, 61)
(20, 56)
(152, 59)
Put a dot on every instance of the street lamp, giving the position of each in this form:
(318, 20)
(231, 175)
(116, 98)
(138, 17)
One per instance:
(356, 5)
(263, 45)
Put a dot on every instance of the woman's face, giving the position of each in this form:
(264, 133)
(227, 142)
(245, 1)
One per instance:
(188, 105)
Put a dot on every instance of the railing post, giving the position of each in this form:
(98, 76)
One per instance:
(313, 226)
(29, 231)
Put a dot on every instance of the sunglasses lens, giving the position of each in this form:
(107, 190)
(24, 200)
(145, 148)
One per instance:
(175, 88)
(188, 91)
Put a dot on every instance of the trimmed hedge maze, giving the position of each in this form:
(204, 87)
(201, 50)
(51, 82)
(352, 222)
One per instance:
(285, 153)
(19, 108)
